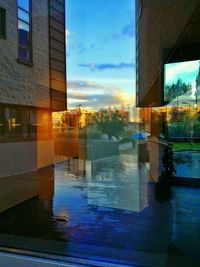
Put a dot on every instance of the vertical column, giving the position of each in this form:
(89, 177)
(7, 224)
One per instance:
(57, 48)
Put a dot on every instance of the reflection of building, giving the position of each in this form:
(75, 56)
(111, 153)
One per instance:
(32, 82)
(145, 119)
(166, 33)
(172, 37)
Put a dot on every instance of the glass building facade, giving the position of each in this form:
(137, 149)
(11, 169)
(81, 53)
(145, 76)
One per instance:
(99, 133)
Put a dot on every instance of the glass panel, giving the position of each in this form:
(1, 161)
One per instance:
(25, 122)
(23, 15)
(24, 53)
(104, 186)
(33, 123)
(181, 93)
(25, 4)
(24, 38)
(13, 117)
(23, 26)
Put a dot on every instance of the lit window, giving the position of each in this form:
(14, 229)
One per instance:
(24, 30)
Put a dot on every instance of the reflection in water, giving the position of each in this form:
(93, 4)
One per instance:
(115, 209)
(32, 216)
(117, 184)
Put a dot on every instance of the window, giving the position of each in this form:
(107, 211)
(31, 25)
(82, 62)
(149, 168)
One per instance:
(14, 126)
(33, 123)
(21, 123)
(2, 23)
(24, 31)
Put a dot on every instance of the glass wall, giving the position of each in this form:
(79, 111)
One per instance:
(181, 93)
(107, 176)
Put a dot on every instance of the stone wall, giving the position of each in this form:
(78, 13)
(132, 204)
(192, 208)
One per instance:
(22, 84)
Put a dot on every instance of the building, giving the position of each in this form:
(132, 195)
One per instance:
(32, 82)
(167, 31)
(167, 37)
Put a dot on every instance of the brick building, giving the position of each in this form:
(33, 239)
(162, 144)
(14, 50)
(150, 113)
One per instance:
(32, 81)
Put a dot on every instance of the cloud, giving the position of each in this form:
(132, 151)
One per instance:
(81, 49)
(105, 66)
(76, 101)
(96, 101)
(96, 95)
(128, 30)
(93, 45)
(80, 84)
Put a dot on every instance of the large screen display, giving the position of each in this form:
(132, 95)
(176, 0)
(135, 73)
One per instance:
(181, 81)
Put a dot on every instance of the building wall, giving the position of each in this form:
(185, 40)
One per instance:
(18, 157)
(30, 92)
(57, 54)
(24, 157)
(19, 83)
(17, 189)
(45, 153)
(161, 26)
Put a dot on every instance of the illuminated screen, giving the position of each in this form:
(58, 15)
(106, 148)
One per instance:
(181, 81)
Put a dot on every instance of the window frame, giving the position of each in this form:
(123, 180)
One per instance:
(30, 46)
(3, 36)
(30, 129)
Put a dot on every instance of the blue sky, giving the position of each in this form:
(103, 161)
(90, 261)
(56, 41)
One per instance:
(100, 52)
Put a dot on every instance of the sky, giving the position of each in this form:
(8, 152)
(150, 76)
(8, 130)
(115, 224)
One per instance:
(100, 53)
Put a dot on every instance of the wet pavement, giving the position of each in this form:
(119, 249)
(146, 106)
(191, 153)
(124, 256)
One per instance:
(112, 215)
(187, 163)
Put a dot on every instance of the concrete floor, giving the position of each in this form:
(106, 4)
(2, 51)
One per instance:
(112, 215)
(187, 163)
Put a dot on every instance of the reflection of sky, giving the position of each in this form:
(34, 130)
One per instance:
(100, 52)
(186, 71)
(24, 4)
